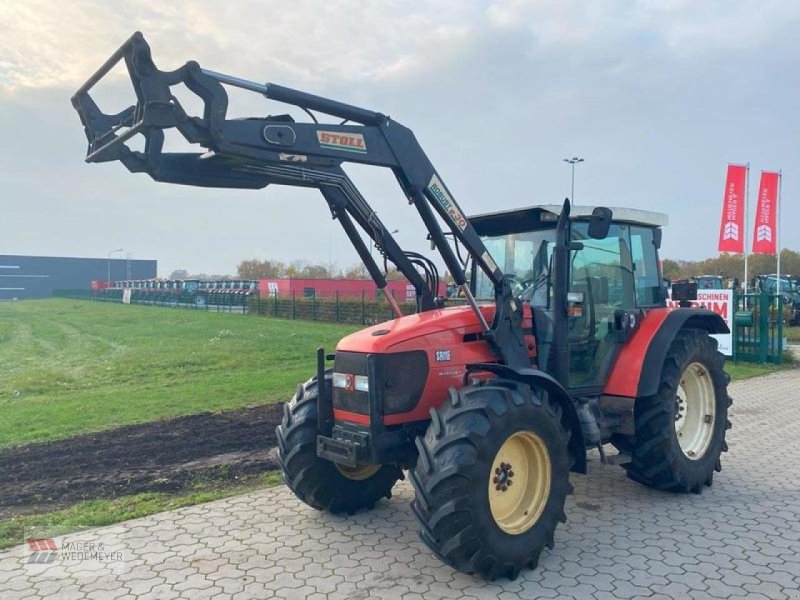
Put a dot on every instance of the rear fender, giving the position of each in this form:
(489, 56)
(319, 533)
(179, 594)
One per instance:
(539, 379)
(637, 371)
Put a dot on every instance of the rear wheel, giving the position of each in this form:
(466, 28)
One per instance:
(680, 431)
(491, 478)
(320, 483)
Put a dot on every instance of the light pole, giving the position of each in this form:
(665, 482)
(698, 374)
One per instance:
(573, 161)
(370, 240)
(110, 252)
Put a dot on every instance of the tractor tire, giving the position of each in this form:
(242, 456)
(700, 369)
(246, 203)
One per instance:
(492, 477)
(680, 430)
(200, 301)
(321, 483)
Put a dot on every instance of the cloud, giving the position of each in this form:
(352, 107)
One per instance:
(55, 44)
(656, 95)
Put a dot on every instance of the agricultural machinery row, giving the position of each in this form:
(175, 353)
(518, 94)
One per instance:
(195, 292)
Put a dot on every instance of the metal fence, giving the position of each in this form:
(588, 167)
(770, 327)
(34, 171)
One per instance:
(758, 327)
(359, 310)
(333, 309)
(757, 322)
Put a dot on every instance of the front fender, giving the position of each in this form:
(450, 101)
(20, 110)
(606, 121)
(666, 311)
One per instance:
(540, 379)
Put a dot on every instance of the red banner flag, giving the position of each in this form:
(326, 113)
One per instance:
(765, 239)
(731, 229)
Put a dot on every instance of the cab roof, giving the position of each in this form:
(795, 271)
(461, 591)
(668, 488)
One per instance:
(545, 216)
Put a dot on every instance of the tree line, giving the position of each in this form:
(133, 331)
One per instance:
(728, 265)
(297, 269)
(732, 266)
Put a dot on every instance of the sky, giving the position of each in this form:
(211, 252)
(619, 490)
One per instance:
(656, 95)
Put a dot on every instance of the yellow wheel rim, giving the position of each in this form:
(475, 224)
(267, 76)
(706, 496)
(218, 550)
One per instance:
(358, 473)
(519, 482)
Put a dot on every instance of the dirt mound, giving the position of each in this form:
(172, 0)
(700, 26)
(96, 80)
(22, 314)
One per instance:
(161, 456)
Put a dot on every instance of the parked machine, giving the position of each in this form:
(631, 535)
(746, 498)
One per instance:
(787, 287)
(564, 342)
(710, 282)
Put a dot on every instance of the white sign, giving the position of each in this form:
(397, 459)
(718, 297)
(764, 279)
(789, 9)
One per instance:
(720, 302)
(126, 296)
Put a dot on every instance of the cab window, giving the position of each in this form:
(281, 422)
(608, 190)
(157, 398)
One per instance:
(525, 257)
(645, 267)
(603, 267)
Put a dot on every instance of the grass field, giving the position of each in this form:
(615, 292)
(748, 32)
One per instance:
(745, 370)
(71, 366)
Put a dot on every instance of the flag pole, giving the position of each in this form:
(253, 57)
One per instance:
(778, 228)
(746, 221)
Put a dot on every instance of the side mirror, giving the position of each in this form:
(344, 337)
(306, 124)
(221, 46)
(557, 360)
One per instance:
(600, 223)
(657, 238)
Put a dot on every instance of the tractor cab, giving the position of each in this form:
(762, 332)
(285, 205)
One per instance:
(709, 282)
(190, 285)
(608, 279)
(786, 287)
(770, 285)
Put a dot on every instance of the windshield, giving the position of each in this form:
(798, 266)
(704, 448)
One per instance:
(771, 283)
(526, 258)
(709, 283)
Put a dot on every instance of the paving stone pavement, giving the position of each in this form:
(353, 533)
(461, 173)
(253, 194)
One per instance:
(739, 539)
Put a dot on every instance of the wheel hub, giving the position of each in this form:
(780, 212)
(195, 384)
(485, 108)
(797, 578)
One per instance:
(503, 476)
(519, 482)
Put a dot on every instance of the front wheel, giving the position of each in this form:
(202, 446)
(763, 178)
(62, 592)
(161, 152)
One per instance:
(492, 478)
(680, 430)
(320, 483)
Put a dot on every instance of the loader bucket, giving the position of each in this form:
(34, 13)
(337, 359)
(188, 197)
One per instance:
(156, 108)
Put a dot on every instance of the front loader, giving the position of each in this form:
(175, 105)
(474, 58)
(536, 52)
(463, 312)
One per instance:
(563, 343)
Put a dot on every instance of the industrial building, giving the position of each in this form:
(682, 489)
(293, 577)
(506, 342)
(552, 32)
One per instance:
(23, 277)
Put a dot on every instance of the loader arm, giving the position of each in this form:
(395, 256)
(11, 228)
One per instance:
(255, 152)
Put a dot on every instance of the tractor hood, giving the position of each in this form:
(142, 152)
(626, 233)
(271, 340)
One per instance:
(449, 325)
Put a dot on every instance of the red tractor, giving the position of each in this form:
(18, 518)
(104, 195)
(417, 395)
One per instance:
(564, 342)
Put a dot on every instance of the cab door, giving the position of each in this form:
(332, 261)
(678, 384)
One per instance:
(601, 282)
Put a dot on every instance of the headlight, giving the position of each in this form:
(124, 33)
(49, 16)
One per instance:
(343, 381)
(347, 381)
(362, 383)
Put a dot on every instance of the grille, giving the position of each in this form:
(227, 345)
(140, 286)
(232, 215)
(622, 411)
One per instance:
(351, 401)
(400, 379)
